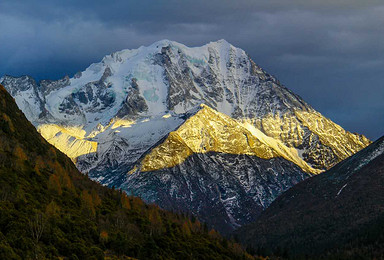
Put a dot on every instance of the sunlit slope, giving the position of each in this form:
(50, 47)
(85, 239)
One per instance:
(212, 131)
(69, 140)
(321, 142)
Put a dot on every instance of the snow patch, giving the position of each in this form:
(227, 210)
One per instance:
(338, 193)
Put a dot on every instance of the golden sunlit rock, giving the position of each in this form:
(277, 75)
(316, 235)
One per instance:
(211, 131)
(293, 129)
(69, 140)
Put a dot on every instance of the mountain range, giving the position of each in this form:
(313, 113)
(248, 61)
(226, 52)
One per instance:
(202, 130)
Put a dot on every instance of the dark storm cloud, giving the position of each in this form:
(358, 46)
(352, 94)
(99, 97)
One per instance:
(329, 52)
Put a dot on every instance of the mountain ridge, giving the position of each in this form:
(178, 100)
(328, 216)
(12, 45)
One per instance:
(255, 142)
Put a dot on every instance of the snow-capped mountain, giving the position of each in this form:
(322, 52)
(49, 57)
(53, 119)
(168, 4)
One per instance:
(116, 114)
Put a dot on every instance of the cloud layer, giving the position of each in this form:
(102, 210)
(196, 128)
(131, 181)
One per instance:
(329, 52)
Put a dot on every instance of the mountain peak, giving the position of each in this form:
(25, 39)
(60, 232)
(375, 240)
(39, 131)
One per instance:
(221, 43)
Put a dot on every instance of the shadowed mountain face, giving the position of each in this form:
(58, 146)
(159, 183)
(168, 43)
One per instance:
(225, 199)
(49, 210)
(339, 212)
(140, 111)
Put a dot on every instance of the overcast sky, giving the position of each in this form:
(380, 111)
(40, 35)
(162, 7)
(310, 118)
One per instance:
(329, 52)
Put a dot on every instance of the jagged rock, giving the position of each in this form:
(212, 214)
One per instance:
(134, 103)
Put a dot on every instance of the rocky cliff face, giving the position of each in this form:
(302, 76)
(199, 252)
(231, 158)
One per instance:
(112, 117)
